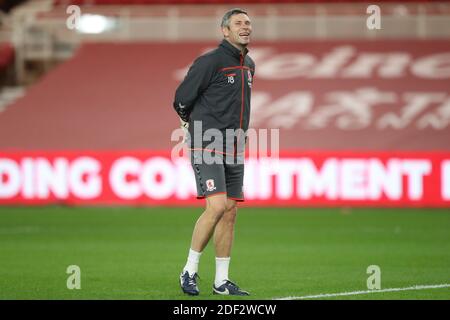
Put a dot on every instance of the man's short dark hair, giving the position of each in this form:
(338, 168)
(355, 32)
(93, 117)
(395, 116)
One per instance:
(227, 16)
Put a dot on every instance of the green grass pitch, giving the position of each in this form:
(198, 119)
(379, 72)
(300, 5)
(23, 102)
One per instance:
(138, 253)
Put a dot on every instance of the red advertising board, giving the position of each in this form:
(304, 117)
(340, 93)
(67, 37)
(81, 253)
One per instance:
(309, 178)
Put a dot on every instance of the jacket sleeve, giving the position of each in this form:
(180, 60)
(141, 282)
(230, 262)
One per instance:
(194, 84)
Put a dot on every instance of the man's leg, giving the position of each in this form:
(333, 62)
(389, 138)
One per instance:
(204, 228)
(223, 241)
(216, 206)
(224, 232)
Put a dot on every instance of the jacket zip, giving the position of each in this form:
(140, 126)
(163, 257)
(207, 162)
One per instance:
(242, 92)
(242, 101)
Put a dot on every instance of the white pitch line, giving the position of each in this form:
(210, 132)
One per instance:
(327, 295)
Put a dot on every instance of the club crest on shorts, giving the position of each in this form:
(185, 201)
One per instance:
(210, 185)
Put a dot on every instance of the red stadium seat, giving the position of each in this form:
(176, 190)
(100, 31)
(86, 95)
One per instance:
(6, 55)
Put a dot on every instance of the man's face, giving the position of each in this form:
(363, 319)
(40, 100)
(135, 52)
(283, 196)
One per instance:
(239, 31)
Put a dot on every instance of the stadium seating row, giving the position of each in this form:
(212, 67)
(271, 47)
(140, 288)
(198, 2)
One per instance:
(133, 2)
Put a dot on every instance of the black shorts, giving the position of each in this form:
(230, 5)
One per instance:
(216, 178)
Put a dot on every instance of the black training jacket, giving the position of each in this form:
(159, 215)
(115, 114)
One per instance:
(217, 89)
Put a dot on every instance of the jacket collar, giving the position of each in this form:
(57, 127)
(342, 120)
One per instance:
(232, 49)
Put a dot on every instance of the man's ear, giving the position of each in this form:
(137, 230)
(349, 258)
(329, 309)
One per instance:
(226, 31)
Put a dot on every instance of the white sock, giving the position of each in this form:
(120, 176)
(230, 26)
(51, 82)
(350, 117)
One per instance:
(192, 262)
(222, 265)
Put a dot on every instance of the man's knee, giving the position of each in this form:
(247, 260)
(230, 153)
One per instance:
(221, 207)
(231, 205)
(218, 208)
(230, 211)
(217, 205)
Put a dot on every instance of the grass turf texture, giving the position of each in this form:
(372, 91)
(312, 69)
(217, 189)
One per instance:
(138, 253)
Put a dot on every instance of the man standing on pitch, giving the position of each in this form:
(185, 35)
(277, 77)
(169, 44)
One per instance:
(216, 94)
